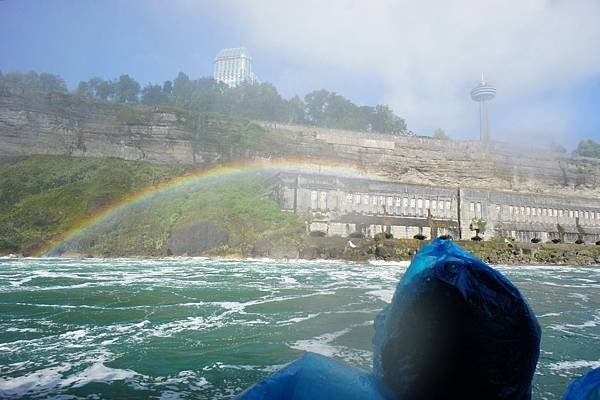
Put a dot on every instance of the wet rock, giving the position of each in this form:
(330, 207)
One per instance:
(193, 239)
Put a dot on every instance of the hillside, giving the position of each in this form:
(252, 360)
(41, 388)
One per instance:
(63, 124)
(43, 196)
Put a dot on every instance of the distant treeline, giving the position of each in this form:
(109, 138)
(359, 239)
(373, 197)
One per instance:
(259, 101)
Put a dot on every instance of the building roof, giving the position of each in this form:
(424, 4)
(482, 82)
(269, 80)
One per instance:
(234, 52)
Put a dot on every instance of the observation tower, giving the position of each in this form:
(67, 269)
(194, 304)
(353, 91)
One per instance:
(482, 93)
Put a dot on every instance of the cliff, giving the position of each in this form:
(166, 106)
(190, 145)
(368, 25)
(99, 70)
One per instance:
(59, 124)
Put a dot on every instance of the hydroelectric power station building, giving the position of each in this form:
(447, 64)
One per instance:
(340, 206)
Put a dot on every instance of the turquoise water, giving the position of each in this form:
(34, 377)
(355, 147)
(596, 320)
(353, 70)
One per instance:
(195, 328)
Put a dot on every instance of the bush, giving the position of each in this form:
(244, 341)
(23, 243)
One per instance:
(420, 236)
(556, 241)
(477, 238)
(598, 243)
(356, 235)
(446, 237)
(536, 240)
(579, 241)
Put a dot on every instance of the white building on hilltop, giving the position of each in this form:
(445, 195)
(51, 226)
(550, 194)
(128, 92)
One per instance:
(233, 66)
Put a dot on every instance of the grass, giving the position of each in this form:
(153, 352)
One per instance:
(41, 197)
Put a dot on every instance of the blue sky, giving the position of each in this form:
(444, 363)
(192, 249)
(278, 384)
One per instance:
(421, 59)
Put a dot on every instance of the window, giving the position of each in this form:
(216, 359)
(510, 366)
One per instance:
(447, 205)
(398, 201)
(419, 203)
(511, 210)
(528, 211)
(472, 208)
(366, 199)
(374, 200)
(349, 198)
(390, 202)
(427, 205)
(587, 215)
(405, 202)
(533, 211)
(478, 210)
(381, 200)
(323, 200)
(357, 198)
(412, 203)
(570, 213)
(434, 204)
(314, 197)
(560, 213)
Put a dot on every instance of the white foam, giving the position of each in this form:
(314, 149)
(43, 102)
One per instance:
(22, 330)
(568, 365)
(550, 314)
(390, 263)
(383, 294)
(98, 373)
(38, 381)
(320, 344)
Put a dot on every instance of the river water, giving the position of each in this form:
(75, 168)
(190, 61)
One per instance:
(197, 328)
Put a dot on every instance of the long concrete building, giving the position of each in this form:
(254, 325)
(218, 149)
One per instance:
(342, 206)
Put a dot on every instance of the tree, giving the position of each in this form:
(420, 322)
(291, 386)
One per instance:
(384, 120)
(168, 89)
(104, 89)
(83, 89)
(316, 106)
(31, 80)
(588, 148)
(52, 83)
(478, 225)
(296, 110)
(440, 134)
(153, 95)
(127, 90)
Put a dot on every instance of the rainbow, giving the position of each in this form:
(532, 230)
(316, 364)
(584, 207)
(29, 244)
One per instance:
(200, 177)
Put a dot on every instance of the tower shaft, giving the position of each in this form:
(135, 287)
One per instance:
(484, 124)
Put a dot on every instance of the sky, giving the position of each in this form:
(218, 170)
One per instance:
(420, 57)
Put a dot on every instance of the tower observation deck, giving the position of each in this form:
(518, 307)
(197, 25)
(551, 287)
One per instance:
(483, 93)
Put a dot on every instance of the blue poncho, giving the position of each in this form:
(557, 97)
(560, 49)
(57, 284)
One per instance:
(586, 387)
(455, 329)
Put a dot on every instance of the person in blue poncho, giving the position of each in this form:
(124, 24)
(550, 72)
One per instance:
(455, 329)
(586, 387)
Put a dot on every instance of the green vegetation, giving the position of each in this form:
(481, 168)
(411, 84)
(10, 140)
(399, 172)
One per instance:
(132, 116)
(588, 148)
(43, 196)
(34, 81)
(259, 101)
(440, 134)
(239, 210)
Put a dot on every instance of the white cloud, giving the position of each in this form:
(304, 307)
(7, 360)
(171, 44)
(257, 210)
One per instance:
(430, 53)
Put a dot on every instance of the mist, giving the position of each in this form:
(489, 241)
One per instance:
(426, 57)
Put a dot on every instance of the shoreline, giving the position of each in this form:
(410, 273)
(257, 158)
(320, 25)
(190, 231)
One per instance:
(521, 254)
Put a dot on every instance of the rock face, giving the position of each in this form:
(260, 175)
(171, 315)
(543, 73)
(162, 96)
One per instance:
(196, 238)
(50, 123)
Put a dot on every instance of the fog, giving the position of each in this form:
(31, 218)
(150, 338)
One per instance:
(428, 55)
